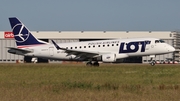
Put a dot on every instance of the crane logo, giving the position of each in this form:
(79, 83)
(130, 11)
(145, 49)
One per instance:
(21, 34)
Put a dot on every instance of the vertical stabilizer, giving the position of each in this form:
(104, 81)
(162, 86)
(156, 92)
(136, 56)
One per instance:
(22, 35)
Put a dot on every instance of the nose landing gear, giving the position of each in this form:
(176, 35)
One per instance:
(153, 62)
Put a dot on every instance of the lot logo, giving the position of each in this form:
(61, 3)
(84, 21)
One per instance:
(8, 35)
(133, 47)
(21, 34)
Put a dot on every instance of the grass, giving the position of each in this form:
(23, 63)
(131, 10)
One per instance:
(109, 82)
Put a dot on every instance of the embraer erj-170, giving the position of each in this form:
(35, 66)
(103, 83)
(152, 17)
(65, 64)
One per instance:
(91, 51)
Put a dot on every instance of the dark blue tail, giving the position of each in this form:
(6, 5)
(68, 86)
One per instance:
(21, 34)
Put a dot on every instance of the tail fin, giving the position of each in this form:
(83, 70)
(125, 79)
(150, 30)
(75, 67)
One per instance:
(22, 35)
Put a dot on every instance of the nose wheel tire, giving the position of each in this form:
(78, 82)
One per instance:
(152, 63)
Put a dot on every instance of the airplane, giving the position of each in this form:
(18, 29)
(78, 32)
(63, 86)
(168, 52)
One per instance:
(109, 51)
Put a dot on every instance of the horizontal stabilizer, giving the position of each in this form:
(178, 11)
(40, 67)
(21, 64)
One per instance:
(18, 51)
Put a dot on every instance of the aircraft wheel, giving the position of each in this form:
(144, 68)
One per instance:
(89, 64)
(96, 64)
(152, 63)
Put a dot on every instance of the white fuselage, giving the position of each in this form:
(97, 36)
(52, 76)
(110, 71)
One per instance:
(121, 47)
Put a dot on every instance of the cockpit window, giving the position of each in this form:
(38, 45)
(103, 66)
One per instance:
(156, 41)
(161, 41)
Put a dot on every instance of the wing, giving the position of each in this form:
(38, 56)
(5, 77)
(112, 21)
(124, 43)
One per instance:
(80, 54)
(18, 51)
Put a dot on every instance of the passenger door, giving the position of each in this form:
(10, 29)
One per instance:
(51, 51)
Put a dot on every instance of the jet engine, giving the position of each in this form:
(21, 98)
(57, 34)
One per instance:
(108, 57)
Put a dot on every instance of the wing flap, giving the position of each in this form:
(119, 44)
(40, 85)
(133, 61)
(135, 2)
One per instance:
(83, 55)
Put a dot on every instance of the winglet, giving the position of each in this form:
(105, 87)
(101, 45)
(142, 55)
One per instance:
(57, 47)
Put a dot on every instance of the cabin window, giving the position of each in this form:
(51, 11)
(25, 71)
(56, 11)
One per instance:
(84, 46)
(117, 44)
(75, 47)
(162, 41)
(103, 45)
(99, 45)
(93, 46)
(66, 47)
(156, 41)
(89, 46)
(112, 44)
(80, 47)
(71, 48)
(108, 45)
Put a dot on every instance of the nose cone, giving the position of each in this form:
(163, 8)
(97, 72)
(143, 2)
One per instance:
(171, 49)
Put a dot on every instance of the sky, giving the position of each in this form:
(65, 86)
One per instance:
(92, 15)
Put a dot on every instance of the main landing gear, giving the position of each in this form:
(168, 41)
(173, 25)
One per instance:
(96, 64)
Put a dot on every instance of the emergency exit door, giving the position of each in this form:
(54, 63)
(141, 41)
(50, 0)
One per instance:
(51, 51)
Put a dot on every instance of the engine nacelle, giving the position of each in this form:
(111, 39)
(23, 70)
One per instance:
(108, 57)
